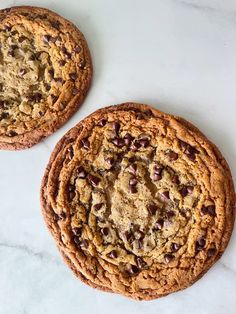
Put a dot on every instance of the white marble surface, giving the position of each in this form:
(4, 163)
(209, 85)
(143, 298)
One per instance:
(177, 55)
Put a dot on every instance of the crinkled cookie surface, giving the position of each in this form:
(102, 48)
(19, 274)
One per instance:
(139, 202)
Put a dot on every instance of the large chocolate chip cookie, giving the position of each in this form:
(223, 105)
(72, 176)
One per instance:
(45, 72)
(139, 202)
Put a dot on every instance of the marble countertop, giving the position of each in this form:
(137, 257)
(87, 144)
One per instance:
(177, 55)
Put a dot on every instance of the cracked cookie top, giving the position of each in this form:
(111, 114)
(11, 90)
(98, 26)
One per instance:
(139, 202)
(45, 72)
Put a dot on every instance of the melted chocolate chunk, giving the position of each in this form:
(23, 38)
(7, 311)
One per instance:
(200, 244)
(105, 231)
(165, 195)
(128, 139)
(168, 258)
(98, 206)
(208, 210)
(93, 180)
(174, 247)
(172, 155)
(81, 173)
(113, 254)
(119, 142)
(175, 179)
(85, 143)
(116, 127)
(158, 225)
(140, 262)
(152, 209)
(102, 122)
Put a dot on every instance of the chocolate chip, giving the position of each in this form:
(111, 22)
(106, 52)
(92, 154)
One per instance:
(55, 24)
(157, 177)
(102, 122)
(22, 38)
(170, 214)
(54, 98)
(183, 144)
(140, 262)
(105, 231)
(175, 179)
(77, 49)
(208, 210)
(190, 189)
(119, 142)
(62, 215)
(11, 51)
(63, 49)
(132, 168)
(77, 231)
(133, 189)
(81, 64)
(71, 152)
(85, 143)
(59, 79)
(211, 252)
(32, 57)
(128, 139)
(135, 146)
(62, 63)
(139, 235)
(53, 39)
(129, 237)
(183, 191)
(51, 72)
(84, 244)
(93, 180)
(98, 206)
(152, 208)
(77, 241)
(4, 115)
(159, 225)
(113, 254)
(75, 91)
(109, 160)
(12, 133)
(173, 155)
(22, 72)
(2, 104)
(46, 38)
(190, 152)
(73, 76)
(81, 173)
(174, 247)
(157, 169)
(133, 270)
(139, 244)
(200, 244)
(133, 181)
(47, 87)
(7, 28)
(168, 258)
(144, 142)
(165, 195)
(71, 192)
(116, 127)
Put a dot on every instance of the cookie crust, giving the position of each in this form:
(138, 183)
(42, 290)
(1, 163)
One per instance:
(183, 232)
(46, 71)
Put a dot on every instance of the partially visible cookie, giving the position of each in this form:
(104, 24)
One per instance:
(45, 73)
(139, 202)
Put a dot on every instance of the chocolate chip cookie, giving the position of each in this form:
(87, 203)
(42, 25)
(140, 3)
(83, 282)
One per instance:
(139, 202)
(45, 72)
